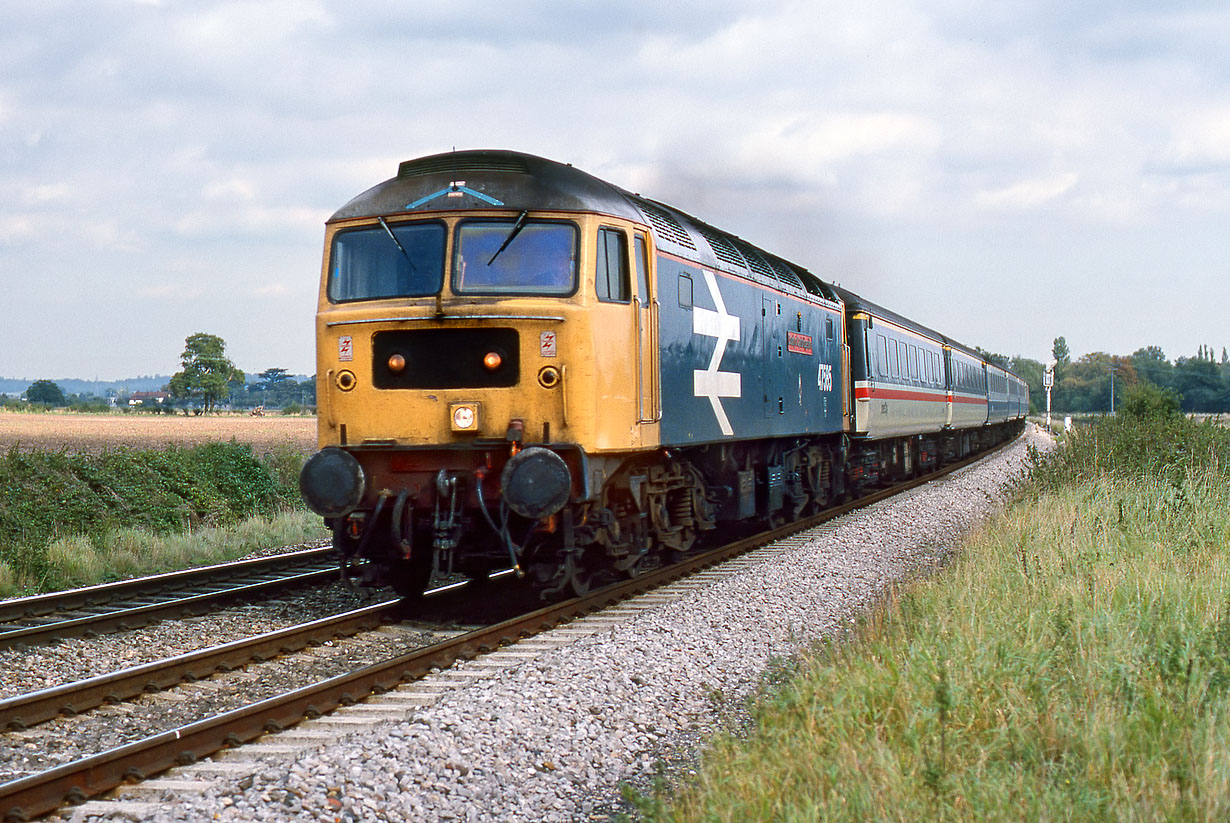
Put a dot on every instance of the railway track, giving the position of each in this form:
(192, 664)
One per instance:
(128, 604)
(29, 797)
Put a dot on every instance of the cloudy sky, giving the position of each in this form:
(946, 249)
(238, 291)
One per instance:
(1006, 171)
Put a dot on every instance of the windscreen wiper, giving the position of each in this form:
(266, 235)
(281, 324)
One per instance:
(400, 247)
(516, 229)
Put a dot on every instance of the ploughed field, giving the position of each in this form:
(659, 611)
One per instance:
(97, 432)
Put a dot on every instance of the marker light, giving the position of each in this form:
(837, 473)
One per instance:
(492, 360)
(397, 363)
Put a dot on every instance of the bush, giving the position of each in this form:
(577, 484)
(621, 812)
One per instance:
(1171, 447)
(1144, 400)
(51, 500)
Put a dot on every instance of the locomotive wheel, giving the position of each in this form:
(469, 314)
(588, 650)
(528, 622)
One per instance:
(578, 576)
(635, 568)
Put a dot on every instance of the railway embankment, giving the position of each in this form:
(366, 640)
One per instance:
(76, 518)
(1072, 663)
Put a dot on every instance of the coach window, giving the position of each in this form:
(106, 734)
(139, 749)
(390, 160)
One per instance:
(883, 364)
(828, 328)
(912, 357)
(894, 360)
(611, 271)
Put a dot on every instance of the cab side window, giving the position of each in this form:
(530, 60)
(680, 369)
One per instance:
(611, 271)
(642, 269)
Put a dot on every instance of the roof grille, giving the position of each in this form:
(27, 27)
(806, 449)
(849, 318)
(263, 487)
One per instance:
(666, 225)
(722, 247)
(756, 262)
(787, 274)
(457, 166)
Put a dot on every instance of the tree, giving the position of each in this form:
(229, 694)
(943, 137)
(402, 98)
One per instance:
(1086, 385)
(45, 391)
(1061, 353)
(1198, 381)
(991, 357)
(272, 377)
(206, 372)
(1151, 364)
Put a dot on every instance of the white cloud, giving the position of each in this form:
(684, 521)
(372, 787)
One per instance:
(1028, 194)
(17, 228)
(229, 190)
(1200, 141)
(170, 292)
(814, 142)
(48, 193)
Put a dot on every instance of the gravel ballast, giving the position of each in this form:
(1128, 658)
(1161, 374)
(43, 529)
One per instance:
(554, 738)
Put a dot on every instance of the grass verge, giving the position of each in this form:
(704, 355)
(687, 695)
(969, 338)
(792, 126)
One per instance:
(75, 519)
(1072, 664)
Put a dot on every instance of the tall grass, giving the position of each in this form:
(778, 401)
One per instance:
(72, 519)
(1072, 664)
(130, 552)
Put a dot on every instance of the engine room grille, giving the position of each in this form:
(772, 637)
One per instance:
(722, 247)
(788, 275)
(756, 262)
(666, 225)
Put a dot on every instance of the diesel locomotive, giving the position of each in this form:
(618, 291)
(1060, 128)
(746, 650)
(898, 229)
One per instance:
(522, 366)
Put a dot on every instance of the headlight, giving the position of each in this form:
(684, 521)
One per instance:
(332, 482)
(463, 417)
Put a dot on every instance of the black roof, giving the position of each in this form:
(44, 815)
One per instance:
(488, 179)
(500, 179)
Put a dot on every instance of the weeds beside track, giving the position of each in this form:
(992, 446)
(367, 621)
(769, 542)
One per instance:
(79, 518)
(1073, 663)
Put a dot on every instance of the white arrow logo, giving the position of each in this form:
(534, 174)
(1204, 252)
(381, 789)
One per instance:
(712, 383)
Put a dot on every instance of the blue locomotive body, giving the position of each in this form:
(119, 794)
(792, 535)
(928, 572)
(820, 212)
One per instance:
(520, 364)
(743, 360)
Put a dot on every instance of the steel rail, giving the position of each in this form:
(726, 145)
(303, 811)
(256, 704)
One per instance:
(40, 604)
(34, 795)
(26, 710)
(133, 616)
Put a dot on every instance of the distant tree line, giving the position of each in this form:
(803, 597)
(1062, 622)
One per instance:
(1200, 383)
(207, 381)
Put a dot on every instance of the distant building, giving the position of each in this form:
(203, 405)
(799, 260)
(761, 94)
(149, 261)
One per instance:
(148, 398)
